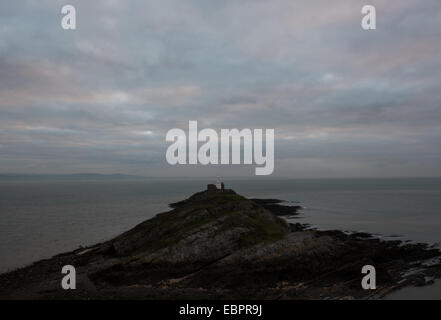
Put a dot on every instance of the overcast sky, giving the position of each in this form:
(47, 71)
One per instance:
(344, 102)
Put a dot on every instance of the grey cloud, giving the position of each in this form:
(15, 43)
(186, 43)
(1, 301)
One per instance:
(342, 100)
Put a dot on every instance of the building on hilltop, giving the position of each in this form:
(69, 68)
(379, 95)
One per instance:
(218, 186)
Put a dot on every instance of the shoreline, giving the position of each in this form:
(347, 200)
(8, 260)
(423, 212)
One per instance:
(330, 268)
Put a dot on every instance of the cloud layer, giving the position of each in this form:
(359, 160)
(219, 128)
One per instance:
(344, 102)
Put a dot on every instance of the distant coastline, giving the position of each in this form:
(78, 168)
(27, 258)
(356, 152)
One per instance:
(74, 176)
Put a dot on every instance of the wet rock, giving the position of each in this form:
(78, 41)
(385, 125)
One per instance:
(220, 245)
(276, 207)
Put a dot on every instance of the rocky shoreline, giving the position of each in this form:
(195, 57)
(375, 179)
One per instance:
(278, 207)
(220, 245)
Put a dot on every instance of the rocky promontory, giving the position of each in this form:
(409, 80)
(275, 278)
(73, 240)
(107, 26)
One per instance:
(218, 244)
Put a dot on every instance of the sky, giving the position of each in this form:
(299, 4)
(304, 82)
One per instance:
(344, 102)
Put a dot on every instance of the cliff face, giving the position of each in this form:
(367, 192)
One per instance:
(218, 244)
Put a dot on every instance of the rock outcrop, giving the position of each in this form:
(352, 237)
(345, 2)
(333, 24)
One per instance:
(218, 244)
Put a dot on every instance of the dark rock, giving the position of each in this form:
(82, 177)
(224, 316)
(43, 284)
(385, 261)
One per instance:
(274, 205)
(219, 245)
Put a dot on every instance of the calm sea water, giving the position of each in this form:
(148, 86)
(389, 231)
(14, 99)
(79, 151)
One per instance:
(41, 218)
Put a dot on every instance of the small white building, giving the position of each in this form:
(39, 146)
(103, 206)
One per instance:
(218, 183)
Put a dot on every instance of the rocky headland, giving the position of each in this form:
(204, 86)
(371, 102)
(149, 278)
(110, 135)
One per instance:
(218, 244)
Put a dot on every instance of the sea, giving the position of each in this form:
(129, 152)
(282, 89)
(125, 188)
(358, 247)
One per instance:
(41, 218)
